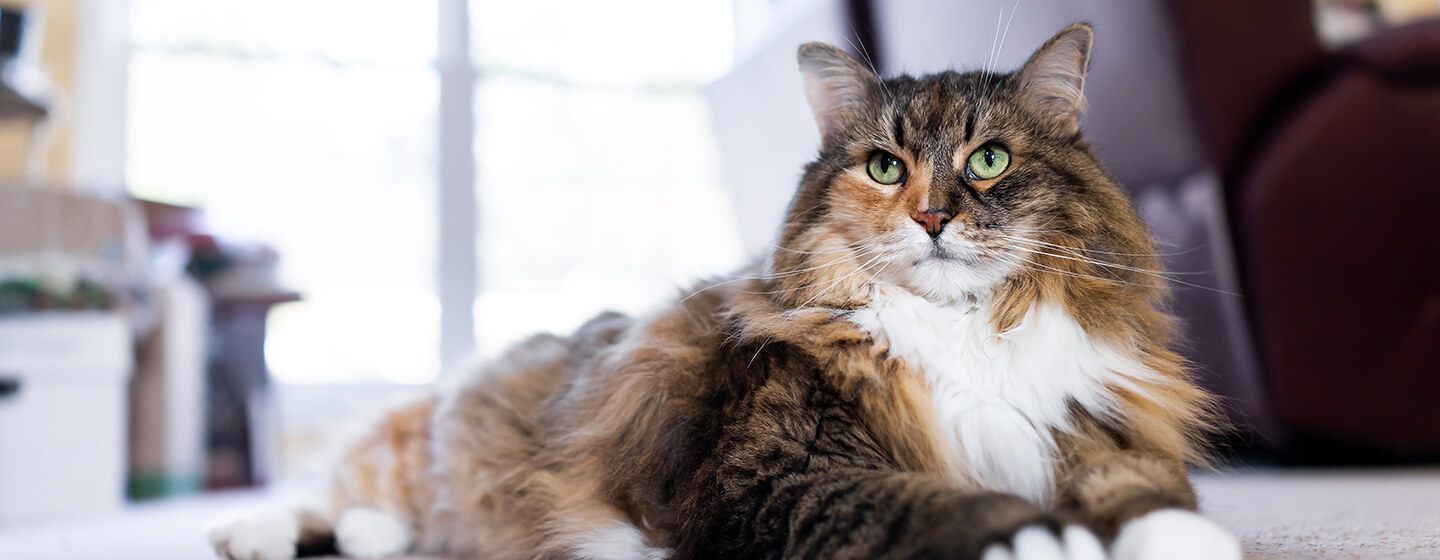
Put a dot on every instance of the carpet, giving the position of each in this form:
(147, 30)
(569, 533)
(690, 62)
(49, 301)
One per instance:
(1328, 514)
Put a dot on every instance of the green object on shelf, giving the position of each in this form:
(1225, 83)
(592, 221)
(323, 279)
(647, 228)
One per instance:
(151, 485)
(20, 295)
(23, 295)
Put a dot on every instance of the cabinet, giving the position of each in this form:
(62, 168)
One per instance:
(63, 414)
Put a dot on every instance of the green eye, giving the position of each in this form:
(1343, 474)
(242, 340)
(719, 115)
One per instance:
(988, 162)
(886, 169)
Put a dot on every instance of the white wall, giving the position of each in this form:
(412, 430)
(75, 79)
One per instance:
(763, 122)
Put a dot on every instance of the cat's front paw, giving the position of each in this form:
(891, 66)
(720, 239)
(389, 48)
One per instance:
(270, 536)
(1040, 542)
(371, 533)
(1175, 534)
(882, 293)
(883, 297)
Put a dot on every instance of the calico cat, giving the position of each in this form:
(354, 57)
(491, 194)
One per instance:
(958, 349)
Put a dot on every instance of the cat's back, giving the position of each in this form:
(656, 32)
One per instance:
(530, 435)
(516, 387)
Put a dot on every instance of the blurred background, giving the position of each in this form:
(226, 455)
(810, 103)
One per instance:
(229, 227)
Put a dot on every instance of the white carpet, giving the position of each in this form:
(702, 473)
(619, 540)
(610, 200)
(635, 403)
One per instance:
(1320, 514)
(1278, 514)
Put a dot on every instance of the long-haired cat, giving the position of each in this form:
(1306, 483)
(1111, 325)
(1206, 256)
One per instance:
(958, 349)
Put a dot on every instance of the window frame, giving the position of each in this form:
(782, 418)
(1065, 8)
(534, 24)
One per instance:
(105, 47)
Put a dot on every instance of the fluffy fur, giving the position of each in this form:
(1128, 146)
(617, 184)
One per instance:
(939, 367)
(1001, 396)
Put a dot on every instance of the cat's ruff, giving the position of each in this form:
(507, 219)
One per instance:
(1001, 395)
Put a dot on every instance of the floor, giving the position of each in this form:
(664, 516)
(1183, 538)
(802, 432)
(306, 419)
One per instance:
(1346, 514)
(1393, 514)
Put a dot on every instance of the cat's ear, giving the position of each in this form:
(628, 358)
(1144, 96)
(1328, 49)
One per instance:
(836, 85)
(1052, 82)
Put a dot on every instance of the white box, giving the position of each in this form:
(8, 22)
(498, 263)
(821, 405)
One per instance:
(62, 434)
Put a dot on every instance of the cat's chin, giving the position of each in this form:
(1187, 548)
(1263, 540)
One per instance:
(952, 280)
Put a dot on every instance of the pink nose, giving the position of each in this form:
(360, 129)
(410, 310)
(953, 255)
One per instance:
(933, 220)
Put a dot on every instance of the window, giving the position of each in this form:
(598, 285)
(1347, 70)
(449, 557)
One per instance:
(309, 126)
(313, 126)
(598, 174)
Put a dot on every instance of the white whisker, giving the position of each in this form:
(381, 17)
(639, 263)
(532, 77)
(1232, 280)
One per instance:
(870, 62)
(994, 39)
(1097, 251)
(1104, 265)
(988, 68)
(1001, 48)
(872, 276)
(1064, 272)
(837, 281)
(851, 244)
(1078, 255)
(762, 277)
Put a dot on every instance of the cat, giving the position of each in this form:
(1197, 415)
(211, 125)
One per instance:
(958, 349)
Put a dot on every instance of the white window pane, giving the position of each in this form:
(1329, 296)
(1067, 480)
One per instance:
(340, 30)
(619, 42)
(590, 200)
(335, 168)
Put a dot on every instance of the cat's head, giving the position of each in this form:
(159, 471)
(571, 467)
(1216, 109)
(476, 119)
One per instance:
(953, 185)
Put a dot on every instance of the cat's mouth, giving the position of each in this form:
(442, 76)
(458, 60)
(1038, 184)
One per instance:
(941, 254)
(950, 272)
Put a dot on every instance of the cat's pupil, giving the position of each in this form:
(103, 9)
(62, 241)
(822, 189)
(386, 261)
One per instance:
(989, 157)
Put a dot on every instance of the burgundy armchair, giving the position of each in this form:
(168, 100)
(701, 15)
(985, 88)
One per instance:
(1330, 162)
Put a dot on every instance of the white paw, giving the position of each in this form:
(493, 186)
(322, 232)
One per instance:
(370, 533)
(1039, 543)
(1174, 534)
(620, 541)
(882, 292)
(889, 304)
(270, 536)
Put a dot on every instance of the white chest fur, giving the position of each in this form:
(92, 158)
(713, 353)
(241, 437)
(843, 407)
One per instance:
(999, 396)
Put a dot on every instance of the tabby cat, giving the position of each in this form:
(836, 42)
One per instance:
(958, 349)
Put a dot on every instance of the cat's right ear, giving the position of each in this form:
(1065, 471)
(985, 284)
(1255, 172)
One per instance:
(1053, 80)
(836, 85)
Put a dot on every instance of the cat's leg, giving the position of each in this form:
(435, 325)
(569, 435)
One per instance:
(365, 511)
(277, 531)
(362, 532)
(593, 530)
(804, 475)
(1043, 542)
(383, 482)
(1146, 505)
(283, 532)
(288, 531)
(1005, 527)
(863, 513)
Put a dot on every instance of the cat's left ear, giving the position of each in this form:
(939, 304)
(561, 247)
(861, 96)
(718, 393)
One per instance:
(837, 86)
(1052, 82)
